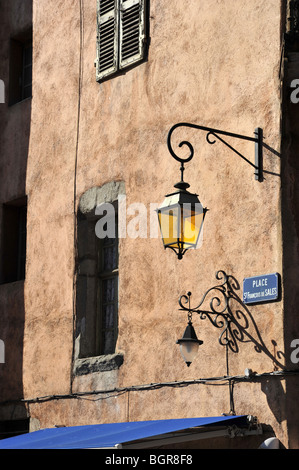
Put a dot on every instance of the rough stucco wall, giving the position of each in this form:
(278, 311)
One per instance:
(204, 67)
(50, 189)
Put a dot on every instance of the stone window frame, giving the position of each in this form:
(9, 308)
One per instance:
(107, 193)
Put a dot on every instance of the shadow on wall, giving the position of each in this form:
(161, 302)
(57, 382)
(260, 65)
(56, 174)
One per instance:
(15, 120)
(225, 310)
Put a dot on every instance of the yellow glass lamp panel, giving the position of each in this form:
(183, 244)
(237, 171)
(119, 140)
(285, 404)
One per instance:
(169, 225)
(191, 227)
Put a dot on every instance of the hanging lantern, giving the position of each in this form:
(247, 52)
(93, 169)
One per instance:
(181, 217)
(189, 344)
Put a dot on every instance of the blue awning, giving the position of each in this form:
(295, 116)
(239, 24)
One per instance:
(116, 435)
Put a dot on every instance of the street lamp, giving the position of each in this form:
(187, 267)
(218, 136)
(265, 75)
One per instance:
(189, 343)
(181, 215)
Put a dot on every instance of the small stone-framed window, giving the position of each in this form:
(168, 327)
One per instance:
(97, 280)
(121, 35)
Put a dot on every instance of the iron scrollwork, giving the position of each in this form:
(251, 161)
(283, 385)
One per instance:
(233, 320)
(228, 313)
(219, 314)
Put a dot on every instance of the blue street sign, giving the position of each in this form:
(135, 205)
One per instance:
(261, 288)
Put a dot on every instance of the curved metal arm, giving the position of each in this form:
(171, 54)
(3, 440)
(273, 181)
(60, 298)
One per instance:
(216, 133)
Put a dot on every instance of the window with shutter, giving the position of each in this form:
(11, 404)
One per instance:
(121, 35)
(132, 37)
(107, 37)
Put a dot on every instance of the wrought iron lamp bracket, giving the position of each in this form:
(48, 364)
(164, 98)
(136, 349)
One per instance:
(216, 133)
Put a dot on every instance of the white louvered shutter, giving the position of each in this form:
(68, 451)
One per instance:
(132, 32)
(107, 37)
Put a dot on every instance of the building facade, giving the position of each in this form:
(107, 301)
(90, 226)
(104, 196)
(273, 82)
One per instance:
(89, 324)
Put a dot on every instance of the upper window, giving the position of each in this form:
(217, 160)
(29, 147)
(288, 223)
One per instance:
(20, 72)
(121, 35)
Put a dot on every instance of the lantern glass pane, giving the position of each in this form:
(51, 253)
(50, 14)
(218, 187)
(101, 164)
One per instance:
(169, 224)
(191, 223)
(189, 350)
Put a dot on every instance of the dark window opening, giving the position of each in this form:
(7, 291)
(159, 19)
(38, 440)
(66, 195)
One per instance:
(20, 69)
(108, 293)
(97, 289)
(14, 234)
(294, 16)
